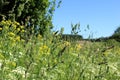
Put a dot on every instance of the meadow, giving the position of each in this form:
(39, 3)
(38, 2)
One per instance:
(33, 57)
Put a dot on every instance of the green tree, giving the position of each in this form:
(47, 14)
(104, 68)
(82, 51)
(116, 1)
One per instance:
(117, 31)
(37, 13)
(116, 35)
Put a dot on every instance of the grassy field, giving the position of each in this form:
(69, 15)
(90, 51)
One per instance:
(50, 58)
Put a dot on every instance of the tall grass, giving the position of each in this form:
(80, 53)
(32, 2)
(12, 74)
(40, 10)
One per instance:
(50, 58)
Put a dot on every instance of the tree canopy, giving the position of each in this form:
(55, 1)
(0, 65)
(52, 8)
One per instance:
(32, 13)
(117, 31)
(116, 35)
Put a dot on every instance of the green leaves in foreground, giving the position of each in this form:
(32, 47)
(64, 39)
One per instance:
(50, 58)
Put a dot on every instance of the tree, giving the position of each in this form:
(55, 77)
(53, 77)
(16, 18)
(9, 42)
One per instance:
(116, 35)
(37, 13)
(117, 31)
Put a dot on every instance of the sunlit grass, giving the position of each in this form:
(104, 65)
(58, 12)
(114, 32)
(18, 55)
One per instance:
(50, 58)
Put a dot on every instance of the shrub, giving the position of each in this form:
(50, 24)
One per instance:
(115, 36)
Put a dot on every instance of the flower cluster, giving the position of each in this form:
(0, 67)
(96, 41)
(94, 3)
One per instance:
(44, 50)
(12, 29)
(66, 43)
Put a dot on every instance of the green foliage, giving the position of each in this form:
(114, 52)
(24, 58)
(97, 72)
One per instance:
(116, 35)
(70, 37)
(75, 29)
(50, 58)
(74, 36)
(38, 13)
(117, 31)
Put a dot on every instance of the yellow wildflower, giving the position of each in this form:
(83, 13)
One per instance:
(23, 31)
(10, 63)
(21, 27)
(0, 29)
(11, 34)
(8, 22)
(18, 38)
(18, 29)
(16, 23)
(45, 50)
(67, 43)
(3, 22)
(78, 46)
(14, 26)
(13, 64)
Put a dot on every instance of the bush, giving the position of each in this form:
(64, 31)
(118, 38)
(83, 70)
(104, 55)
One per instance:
(36, 12)
(117, 31)
(115, 36)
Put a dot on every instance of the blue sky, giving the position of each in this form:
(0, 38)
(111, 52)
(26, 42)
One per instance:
(102, 16)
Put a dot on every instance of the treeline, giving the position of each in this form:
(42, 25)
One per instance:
(71, 37)
(103, 39)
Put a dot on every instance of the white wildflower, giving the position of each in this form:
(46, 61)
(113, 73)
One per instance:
(20, 70)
